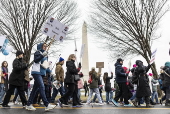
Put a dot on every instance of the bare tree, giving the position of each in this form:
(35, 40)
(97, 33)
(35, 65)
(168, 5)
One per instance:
(128, 25)
(22, 20)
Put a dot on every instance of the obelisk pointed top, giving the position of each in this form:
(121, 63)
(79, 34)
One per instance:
(84, 24)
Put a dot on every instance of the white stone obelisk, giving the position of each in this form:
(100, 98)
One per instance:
(85, 57)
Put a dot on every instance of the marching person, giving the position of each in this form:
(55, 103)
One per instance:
(108, 88)
(121, 79)
(94, 86)
(59, 71)
(142, 81)
(71, 83)
(4, 80)
(38, 72)
(16, 80)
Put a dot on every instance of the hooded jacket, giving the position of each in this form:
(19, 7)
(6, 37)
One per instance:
(59, 71)
(120, 73)
(39, 58)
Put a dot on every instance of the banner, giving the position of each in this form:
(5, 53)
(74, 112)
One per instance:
(109, 67)
(54, 28)
(82, 50)
(153, 56)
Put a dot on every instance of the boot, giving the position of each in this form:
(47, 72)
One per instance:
(149, 106)
(135, 103)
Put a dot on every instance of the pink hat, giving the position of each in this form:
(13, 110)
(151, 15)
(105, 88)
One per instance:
(150, 74)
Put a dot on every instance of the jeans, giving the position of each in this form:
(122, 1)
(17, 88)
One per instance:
(109, 96)
(79, 93)
(134, 96)
(96, 90)
(38, 84)
(55, 92)
(2, 92)
(155, 96)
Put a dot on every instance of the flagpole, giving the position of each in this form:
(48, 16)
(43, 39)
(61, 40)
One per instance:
(75, 49)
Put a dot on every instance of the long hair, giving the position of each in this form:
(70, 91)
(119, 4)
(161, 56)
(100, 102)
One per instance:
(105, 76)
(3, 64)
(70, 57)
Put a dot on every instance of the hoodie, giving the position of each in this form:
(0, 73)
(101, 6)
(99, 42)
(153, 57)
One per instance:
(120, 73)
(39, 58)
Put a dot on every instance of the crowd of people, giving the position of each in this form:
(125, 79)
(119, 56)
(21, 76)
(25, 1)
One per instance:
(132, 87)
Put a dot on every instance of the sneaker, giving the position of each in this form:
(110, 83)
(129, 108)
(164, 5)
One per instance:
(65, 104)
(49, 107)
(5, 106)
(77, 106)
(60, 103)
(101, 104)
(87, 104)
(114, 102)
(127, 105)
(30, 108)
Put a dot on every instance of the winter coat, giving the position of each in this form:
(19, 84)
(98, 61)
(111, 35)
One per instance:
(59, 71)
(38, 60)
(17, 75)
(108, 84)
(143, 88)
(120, 73)
(94, 83)
(165, 77)
(71, 71)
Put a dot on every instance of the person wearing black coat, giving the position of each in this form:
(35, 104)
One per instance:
(165, 76)
(108, 89)
(121, 79)
(16, 80)
(71, 83)
(143, 88)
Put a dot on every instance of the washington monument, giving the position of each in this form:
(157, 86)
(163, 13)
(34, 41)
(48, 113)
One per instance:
(85, 57)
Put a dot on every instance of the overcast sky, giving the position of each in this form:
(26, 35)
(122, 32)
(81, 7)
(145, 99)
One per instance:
(96, 54)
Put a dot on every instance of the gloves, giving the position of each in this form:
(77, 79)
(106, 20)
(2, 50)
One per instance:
(79, 65)
(45, 53)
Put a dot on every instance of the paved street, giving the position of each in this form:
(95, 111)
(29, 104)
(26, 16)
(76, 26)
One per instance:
(87, 109)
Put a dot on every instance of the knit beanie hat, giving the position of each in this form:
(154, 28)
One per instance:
(19, 53)
(61, 59)
(120, 59)
(167, 64)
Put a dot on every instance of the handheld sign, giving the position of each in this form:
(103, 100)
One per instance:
(55, 28)
(153, 56)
